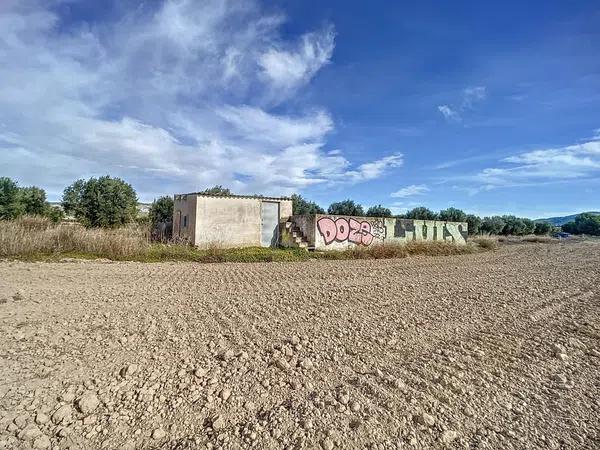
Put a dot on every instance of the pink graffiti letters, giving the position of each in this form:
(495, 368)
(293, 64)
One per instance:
(342, 229)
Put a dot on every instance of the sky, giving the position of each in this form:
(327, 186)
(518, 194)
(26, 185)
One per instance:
(493, 108)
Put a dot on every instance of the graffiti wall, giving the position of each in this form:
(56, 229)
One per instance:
(350, 230)
(341, 232)
(427, 230)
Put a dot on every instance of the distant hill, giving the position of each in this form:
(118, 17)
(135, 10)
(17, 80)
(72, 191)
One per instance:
(558, 221)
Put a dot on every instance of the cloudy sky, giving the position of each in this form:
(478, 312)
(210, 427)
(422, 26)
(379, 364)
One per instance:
(492, 109)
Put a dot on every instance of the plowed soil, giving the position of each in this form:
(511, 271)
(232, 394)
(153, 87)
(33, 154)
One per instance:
(491, 350)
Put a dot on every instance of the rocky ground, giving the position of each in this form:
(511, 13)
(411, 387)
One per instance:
(493, 350)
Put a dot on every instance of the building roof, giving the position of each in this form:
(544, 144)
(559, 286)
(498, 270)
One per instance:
(258, 197)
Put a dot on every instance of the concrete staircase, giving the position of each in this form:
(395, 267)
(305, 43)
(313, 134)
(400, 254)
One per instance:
(293, 237)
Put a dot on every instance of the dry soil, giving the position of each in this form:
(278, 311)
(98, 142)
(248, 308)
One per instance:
(491, 350)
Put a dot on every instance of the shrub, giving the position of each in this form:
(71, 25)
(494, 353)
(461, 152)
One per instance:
(492, 225)
(217, 190)
(161, 210)
(10, 205)
(474, 224)
(421, 213)
(378, 211)
(101, 202)
(452, 215)
(487, 243)
(303, 206)
(542, 228)
(346, 208)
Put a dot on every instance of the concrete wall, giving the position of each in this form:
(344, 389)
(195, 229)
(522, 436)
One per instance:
(223, 221)
(184, 206)
(307, 225)
(328, 232)
(227, 222)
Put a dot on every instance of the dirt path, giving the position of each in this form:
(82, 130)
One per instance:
(495, 350)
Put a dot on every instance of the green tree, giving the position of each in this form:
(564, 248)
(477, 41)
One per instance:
(161, 210)
(513, 226)
(421, 213)
(217, 190)
(101, 202)
(302, 206)
(453, 215)
(72, 199)
(378, 211)
(346, 208)
(542, 228)
(474, 223)
(34, 201)
(492, 225)
(529, 225)
(10, 204)
(54, 213)
(570, 227)
(587, 224)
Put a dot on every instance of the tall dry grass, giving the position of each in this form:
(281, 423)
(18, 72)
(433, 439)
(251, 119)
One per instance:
(37, 235)
(36, 238)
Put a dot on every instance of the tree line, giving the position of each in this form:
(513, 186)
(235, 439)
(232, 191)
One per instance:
(111, 202)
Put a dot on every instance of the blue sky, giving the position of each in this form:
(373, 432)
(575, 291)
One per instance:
(489, 108)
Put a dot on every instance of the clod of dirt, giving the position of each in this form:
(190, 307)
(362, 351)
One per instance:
(88, 402)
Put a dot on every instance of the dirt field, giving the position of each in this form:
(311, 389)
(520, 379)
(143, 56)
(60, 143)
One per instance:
(492, 350)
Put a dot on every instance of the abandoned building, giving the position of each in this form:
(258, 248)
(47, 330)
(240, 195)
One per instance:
(227, 221)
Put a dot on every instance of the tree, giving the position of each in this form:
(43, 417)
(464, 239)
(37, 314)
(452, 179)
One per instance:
(492, 225)
(34, 201)
(10, 205)
(378, 211)
(474, 224)
(302, 206)
(529, 225)
(161, 210)
(453, 215)
(217, 190)
(584, 224)
(346, 208)
(72, 199)
(54, 213)
(542, 228)
(101, 202)
(570, 227)
(513, 226)
(421, 213)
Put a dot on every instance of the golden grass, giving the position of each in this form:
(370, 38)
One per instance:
(486, 242)
(31, 236)
(34, 238)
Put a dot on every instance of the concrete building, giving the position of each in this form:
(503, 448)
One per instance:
(231, 220)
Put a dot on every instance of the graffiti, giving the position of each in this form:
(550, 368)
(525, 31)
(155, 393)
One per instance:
(429, 230)
(371, 231)
(351, 230)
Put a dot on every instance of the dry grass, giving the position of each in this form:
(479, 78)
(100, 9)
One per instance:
(486, 242)
(34, 238)
(34, 235)
(539, 239)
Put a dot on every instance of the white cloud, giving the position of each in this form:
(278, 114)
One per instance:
(448, 113)
(571, 162)
(374, 169)
(470, 96)
(291, 67)
(173, 98)
(409, 191)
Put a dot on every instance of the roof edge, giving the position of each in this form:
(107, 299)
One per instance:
(257, 197)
